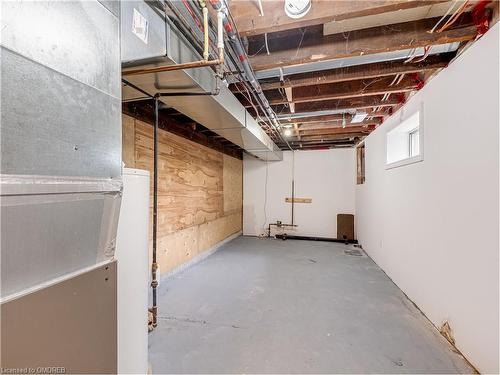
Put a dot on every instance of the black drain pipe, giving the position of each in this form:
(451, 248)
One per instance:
(293, 198)
(305, 238)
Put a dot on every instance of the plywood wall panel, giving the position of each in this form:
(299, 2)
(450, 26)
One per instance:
(233, 184)
(128, 140)
(199, 192)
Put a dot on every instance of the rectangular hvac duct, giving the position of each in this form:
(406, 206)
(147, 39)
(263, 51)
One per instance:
(150, 40)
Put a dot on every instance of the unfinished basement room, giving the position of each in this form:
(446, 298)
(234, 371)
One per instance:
(249, 187)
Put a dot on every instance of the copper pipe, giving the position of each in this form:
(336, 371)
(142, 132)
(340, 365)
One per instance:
(169, 68)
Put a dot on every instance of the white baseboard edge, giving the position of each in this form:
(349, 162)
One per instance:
(200, 257)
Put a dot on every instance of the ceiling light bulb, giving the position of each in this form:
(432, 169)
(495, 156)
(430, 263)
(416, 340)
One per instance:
(287, 132)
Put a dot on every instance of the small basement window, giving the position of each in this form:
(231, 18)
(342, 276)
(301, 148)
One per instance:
(404, 142)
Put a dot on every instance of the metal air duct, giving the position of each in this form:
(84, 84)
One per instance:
(163, 44)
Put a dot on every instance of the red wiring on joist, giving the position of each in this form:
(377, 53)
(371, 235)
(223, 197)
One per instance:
(193, 16)
(400, 97)
(419, 82)
(480, 17)
(228, 27)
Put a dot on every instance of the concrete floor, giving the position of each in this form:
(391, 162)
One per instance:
(272, 306)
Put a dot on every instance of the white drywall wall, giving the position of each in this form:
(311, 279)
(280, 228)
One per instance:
(433, 226)
(328, 177)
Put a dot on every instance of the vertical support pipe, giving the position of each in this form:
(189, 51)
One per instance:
(293, 198)
(154, 268)
(205, 33)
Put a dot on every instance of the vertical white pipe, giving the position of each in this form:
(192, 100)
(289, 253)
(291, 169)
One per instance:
(260, 9)
(205, 33)
(220, 30)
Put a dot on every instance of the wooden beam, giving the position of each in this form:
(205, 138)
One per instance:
(334, 125)
(333, 137)
(324, 145)
(332, 131)
(376, 118)
(298, 200)
(366, 71)
(312, 46)
(289, 98)
(249, 21)
(344, 104)
(367, 103)
(299, 145)
(296, 130)
(352, 89)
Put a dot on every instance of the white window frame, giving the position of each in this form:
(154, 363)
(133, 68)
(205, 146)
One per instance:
(414, 159)
(411, 134)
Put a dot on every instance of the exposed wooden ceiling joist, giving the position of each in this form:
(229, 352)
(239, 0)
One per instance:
(325, 138)
(434, 9)
(323, 143)
(352, 89)
(351, 73)
(341, 104)
(311, 45)
(249, 21)
(331, 118)
(327, 132)
(334, 125)
(322, 146)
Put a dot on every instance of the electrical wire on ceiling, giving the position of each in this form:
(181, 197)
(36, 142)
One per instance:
(300, 42)
(427, 49)
(236, 43)
(454, 17)
(249, 99)
(411, 55)
(444, 16)
(398, 81)
(394, 80)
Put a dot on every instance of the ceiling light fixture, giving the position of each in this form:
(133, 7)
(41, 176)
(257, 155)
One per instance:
(287, 132)
(297, 8)
(358, 117)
